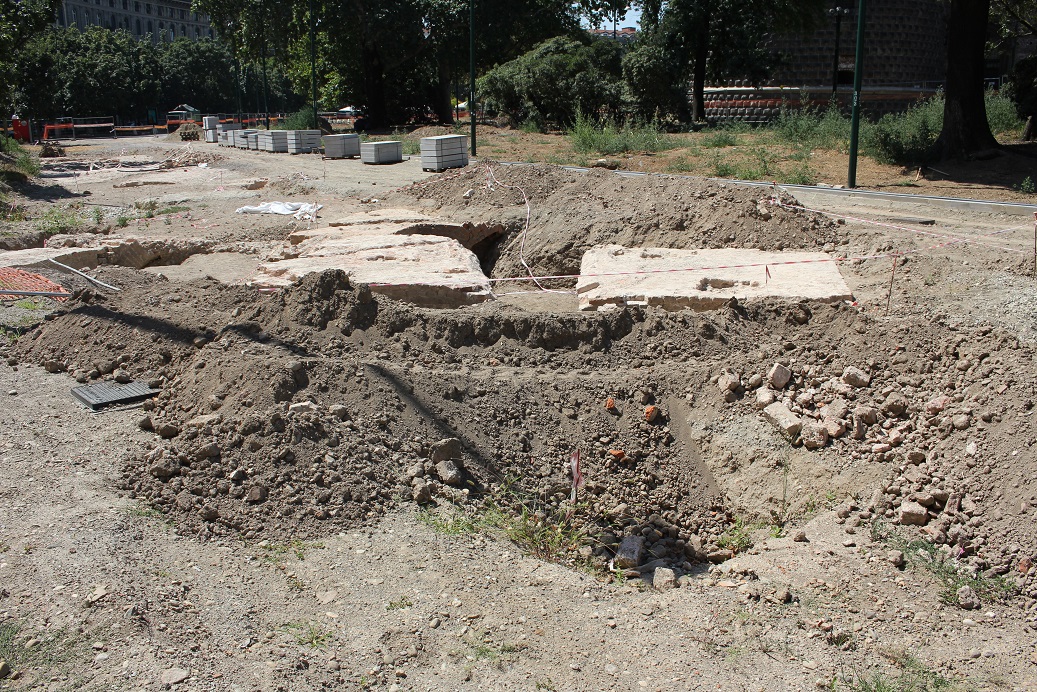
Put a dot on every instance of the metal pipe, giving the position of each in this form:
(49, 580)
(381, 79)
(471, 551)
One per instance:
(85, 276)
(43, 294)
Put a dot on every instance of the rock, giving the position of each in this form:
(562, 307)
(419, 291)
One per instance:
(651, 413)
(450, 448)
(728, 382)
(5, 669)
(421, 491)
(814, 435)
(913, 514)
(895, 405)
(938, 404)
(167, 431)
(967, 598)
(869, 415)
(174, 676)
(256, 494)
(53, 366)
(835, 427)
(778, 376)
(855, 377)
(755, 382)
(146, 423)
(664, 579)
(764, 398)
(449, 472)
(718, 556)
(916, 457)
(783, 419)
(837, 409)
(122, 377)
(339, 411)
(631, 550)
(302, 407)
(799, 536)
(961, 421)
(896, 558)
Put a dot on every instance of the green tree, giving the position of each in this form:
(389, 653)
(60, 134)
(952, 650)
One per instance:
(19, 20)
(712, 38)
(200, 73)
(557, 80)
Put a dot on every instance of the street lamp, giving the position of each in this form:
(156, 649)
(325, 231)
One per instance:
(471, 66)
(838, 13)
(858, 77)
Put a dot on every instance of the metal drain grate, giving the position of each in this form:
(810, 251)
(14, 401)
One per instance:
(107, 393)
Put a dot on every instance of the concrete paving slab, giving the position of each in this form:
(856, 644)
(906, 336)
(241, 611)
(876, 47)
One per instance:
(613, 276)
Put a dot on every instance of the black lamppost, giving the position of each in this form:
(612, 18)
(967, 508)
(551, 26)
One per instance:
(838, 13)
(471, 66)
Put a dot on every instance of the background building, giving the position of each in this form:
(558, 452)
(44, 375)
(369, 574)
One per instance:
(164, 21)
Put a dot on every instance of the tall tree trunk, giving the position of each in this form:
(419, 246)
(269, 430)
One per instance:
(698, 89)
(444, 109)
(377, 115)
(965, 126)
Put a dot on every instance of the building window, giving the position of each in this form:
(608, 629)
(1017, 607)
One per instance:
(138, 28)
(147, 8)
(136, 7)
(125, 4)
(151, 27)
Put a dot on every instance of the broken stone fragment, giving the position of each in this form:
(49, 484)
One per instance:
(664, 579)
(339, 411)
(913, 514)
(449, 472)
(855, 377)
(764, 398)
(256, 494)
(837, 409)
(896, 558)
(895, 405)
(836, 428)
(421, 491)
(814, 435)
(779, 415)
(450, 448)
(168, 431)
(718, 556)
(631, 550)
(302, 407)
(728, 382)
(967, 598)
(778, 376)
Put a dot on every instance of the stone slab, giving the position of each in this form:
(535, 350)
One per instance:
(395, 253)
(613, 276)
(39, 257)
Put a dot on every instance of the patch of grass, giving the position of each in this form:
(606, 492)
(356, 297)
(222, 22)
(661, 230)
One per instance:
(175, 209)
(277, 552)
(719, 139)
(541, 535)
(1027, 187)
(51, 649)
(308, 634)
(122, 222)
(532, 127)
(57, 220)
(800, 175)
(812, 129)
(482, 648)
(13, 213)
(720, 168)
(736, 537)
(448, 522)
(19, 160)
(588, 136)
(28, 304)
(399, 604)
(952, 576)
(913, 676)
(98, 215)
(146, 208)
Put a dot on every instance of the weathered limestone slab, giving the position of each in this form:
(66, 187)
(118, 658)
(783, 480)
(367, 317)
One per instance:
(703, 279)
(38, 257)
(401, 253)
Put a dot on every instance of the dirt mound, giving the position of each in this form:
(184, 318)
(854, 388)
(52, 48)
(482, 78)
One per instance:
(572, 211)
(323, 406)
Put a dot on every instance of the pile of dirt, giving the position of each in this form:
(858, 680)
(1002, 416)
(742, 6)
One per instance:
(572, 212)
(323, 406)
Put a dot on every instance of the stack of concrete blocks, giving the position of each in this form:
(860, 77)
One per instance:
(443, 152)
(381, 152)
(274, 141)
(210, 124)
(241, 138)
(303, 141)
(341, 146)
(253, 140)
(226, 130)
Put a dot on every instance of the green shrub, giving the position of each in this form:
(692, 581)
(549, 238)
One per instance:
(57, 220)
(1002, 114)
(906, 137)
(555, 81)
(18, 159)
(813, 129)
(589, 136)
(299, 120)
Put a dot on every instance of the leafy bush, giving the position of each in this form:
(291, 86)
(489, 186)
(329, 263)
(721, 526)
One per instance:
(15, 159)
(1002, 114)
(906, 137)
(555, 81)
(299, 120)
(814, 129)
(589, 136)
(655, 94)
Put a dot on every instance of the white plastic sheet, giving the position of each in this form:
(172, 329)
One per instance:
(300, 210)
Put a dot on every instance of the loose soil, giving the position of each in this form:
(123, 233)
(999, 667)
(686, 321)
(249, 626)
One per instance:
(337, 489)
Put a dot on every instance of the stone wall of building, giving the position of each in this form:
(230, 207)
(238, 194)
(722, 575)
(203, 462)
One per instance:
(905, 46)
(163, 21)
